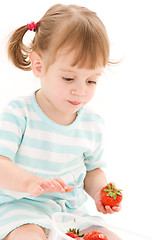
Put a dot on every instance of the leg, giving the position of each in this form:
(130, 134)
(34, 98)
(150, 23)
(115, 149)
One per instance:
(27, 231)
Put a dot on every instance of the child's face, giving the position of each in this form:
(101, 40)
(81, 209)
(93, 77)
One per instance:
(68, 88)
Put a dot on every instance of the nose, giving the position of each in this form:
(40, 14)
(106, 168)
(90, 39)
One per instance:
(78, 93)
(79, 90)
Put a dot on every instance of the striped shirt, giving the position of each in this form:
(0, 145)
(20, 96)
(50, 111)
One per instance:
(38, 145)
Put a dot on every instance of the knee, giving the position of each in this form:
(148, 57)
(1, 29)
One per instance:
(27, 231)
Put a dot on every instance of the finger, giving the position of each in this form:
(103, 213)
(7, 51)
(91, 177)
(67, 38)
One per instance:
(100, 207)
(68, 188)
(47, 185)
(116, 209)
(37, 191)
(114, 184)
(65, 187)
(61, 182)
(109, 209)
(58, 186)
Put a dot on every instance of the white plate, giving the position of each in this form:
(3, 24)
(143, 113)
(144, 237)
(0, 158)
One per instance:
(63, 221)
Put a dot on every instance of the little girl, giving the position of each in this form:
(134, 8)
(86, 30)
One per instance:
(50, 142)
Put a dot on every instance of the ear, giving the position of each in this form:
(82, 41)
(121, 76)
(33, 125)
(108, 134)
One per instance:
(37, 64)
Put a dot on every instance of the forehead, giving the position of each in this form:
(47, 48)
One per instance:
(64, 62)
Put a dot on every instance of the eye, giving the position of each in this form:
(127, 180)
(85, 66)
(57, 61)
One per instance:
(68, 79)
(91, 82)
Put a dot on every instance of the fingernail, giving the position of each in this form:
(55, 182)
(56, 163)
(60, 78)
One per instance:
(107, 207)
(62, 190)
(114, 208)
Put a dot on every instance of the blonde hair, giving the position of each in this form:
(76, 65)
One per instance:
(68, 27)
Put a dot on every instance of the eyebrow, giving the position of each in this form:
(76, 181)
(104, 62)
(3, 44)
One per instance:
(71, 71)
(67, 70)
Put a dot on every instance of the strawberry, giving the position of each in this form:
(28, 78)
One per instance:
(95, 235)
(111, 196)
(73, 233)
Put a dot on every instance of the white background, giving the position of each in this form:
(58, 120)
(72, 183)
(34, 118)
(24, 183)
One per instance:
(123, 96)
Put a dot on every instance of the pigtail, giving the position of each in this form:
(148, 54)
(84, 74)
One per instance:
(82, 31)
(18, 53)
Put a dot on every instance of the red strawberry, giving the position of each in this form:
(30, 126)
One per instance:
(95, 235)
(73, 233)
(111, 196)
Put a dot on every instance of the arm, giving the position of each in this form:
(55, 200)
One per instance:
(94, 181)
(16, 179)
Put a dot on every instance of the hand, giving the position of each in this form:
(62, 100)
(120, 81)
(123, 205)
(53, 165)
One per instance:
(104, 209)
(44, 185)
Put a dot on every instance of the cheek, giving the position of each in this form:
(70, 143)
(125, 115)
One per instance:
(91, 93)
(59, 91)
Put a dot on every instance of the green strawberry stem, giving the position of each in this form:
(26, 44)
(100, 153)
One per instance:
(112, 191)
(76, 231)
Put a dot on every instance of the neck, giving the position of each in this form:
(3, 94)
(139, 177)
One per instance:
(53, 113)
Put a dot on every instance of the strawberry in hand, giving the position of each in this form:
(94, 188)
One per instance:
(110, 196)
(95, 235)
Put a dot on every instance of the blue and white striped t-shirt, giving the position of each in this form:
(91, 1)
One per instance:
(38, 145)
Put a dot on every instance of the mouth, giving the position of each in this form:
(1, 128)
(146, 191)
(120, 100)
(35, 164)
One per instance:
(74, 103)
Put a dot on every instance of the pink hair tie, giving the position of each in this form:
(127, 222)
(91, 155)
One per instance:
(32, 26)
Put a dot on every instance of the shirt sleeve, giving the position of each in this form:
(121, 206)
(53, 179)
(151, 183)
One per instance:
(12, 127)
(94, 157)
